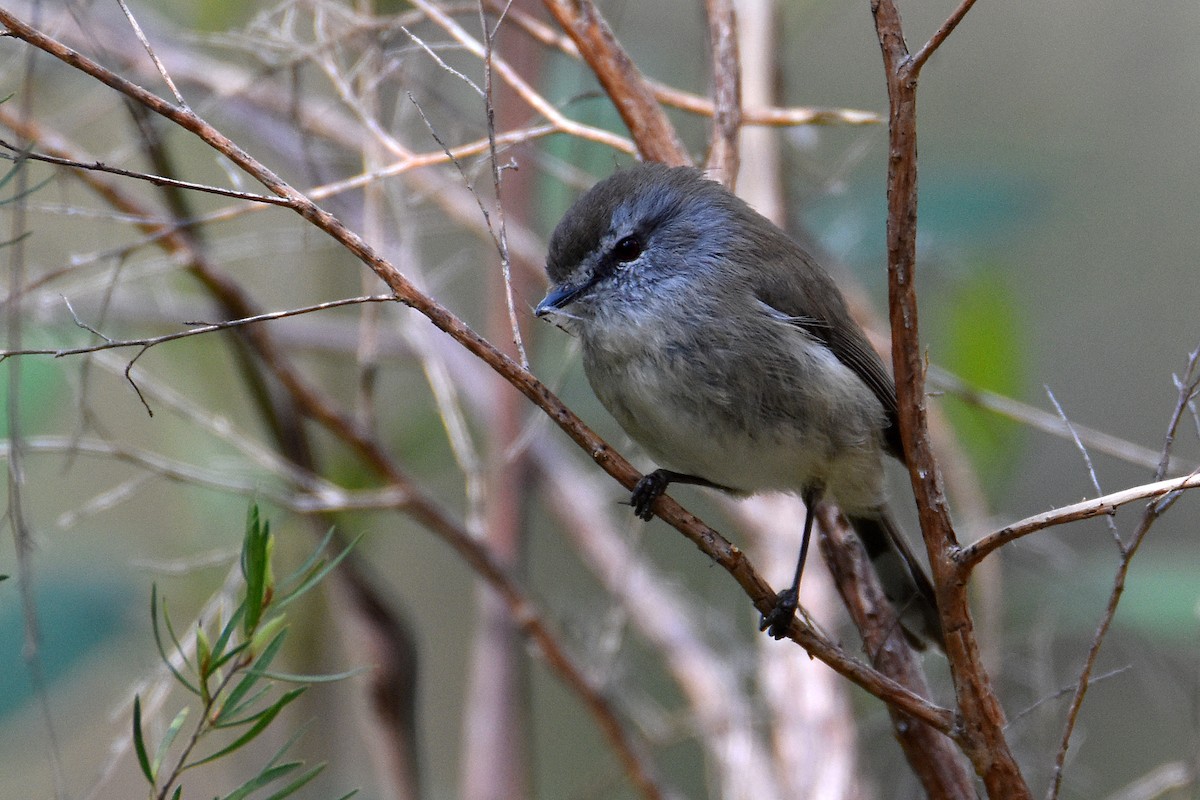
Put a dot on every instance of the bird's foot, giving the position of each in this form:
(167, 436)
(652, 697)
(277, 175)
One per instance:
(779, 620)
(651, 487)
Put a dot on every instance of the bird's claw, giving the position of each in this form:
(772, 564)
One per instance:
(648, 489)
(779, 620)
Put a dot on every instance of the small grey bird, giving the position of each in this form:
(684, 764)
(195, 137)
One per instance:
(727, 352)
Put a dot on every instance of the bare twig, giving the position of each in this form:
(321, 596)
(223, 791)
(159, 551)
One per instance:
(141, 37)
(975, 552)
(937, 763)
(200, 329)
(1188, 387)
(1095, 440)
(157, 180)
(694, 103)
(1087, 460)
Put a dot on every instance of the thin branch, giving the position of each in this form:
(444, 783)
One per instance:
(982, 719)
(1095, 440)
(141, 37)
(696, 104)
(940, 35)
(972, 554)
(157, 180)
(500, 232)
(722, 160)
(520, 85)
(201, 328)
(1087, 462)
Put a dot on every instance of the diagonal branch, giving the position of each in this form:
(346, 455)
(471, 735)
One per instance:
(623, 82)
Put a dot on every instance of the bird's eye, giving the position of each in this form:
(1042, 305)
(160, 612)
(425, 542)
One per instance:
(628, 249)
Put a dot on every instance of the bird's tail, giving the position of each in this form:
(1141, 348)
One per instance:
(904, 580)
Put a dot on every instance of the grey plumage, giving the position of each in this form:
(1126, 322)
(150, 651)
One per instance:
(728, 353)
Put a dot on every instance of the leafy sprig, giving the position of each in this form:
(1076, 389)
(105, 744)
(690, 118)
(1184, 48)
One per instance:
(230, 675)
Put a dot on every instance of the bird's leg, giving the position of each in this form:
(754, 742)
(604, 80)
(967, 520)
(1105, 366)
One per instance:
(654, 484)
(779, 620)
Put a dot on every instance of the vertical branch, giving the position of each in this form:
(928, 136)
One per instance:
(723, 157)
(983, 718)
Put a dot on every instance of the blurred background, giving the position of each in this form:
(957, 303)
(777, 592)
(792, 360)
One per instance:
(1058, 211)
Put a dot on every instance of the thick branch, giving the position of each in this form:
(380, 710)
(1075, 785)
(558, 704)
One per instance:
(982, 717)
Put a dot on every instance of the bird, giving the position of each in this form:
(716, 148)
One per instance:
(728, 354)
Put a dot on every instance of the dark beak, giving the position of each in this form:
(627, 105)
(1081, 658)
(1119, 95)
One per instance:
(558, 297)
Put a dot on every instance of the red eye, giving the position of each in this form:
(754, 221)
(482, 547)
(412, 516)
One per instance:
(628, 249)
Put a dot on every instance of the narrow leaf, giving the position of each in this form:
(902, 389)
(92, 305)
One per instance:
(158, 642)
(315, 576)
(254, 567)
(289, 677)
(262, 779)
(139, 744)
(219, 655)
(168, 739)
(295, 785)
(311, 561)
(263, 721)
(231, 716)
(232, 703)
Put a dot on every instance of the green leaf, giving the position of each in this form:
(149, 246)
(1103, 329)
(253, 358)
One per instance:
(316, 573)
(139, 744)
(262, 779)
(220, 656)
(290, 677)
(255, 563)
(266, 634)
(232, 703)
(264, 719)
(232, 716)
(295, 785)
(162, 652)
(168, 739)
(312, 558)
(203, 654)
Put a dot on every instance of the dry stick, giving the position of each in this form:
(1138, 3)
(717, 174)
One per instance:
(723, 152)
(706, 539)
(982, 716)
(623, 82)
(1187, 392)
(972, 554)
